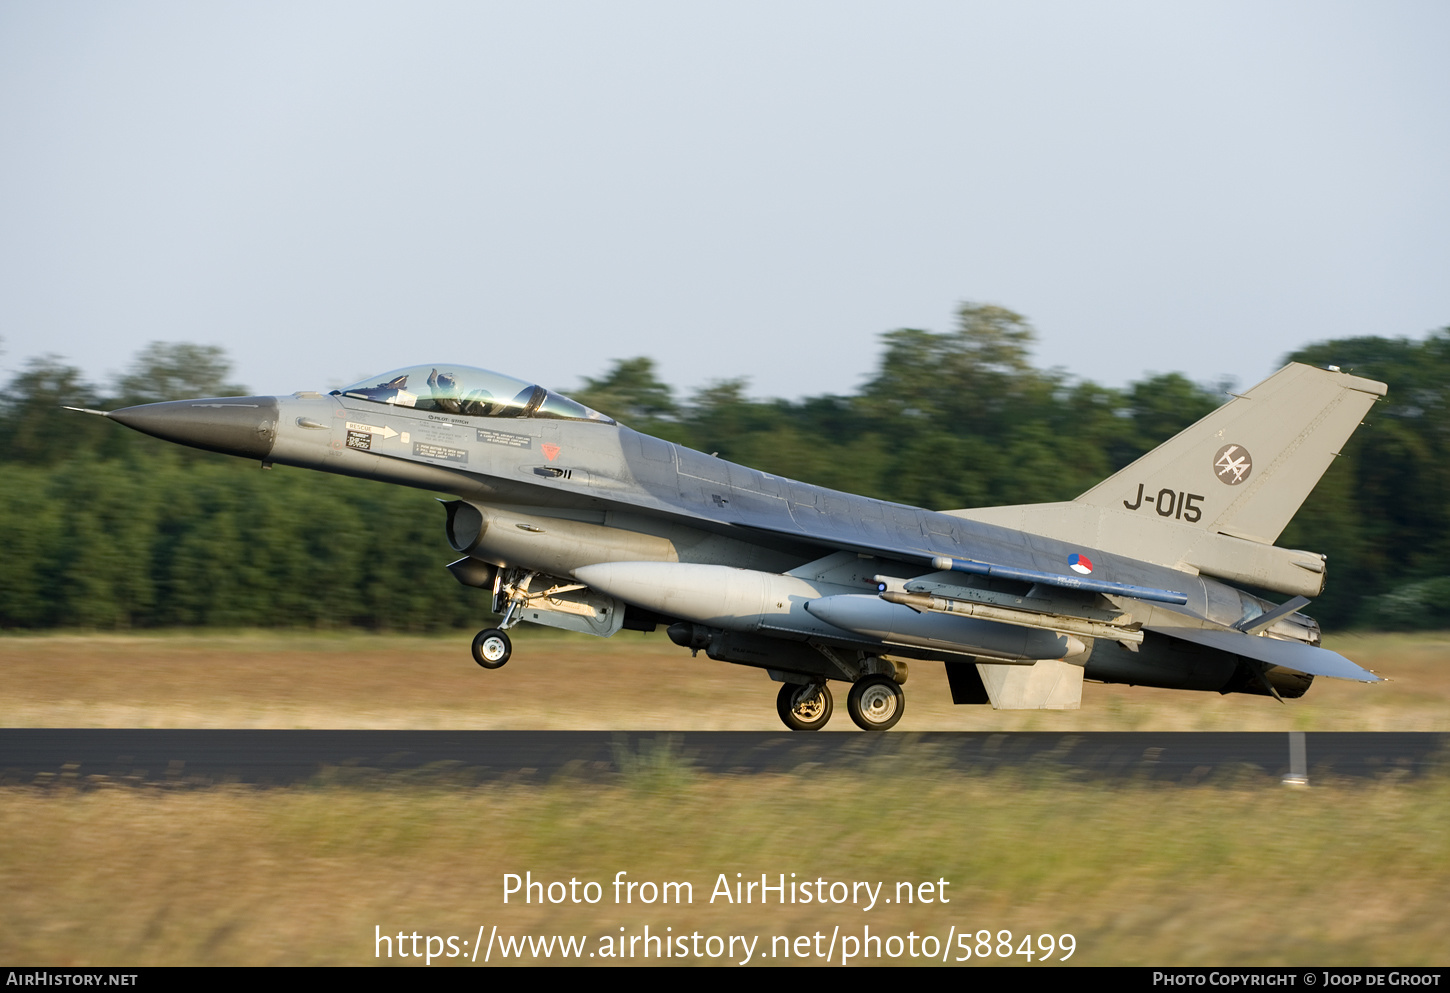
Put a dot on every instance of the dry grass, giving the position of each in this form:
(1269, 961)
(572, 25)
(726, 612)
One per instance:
(629, 682)
(1140, 874)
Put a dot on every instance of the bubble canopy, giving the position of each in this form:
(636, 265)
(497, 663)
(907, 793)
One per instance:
(461, 389)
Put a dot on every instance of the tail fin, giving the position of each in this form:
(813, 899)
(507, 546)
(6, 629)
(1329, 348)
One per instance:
(1214, 497)
(1246, 469)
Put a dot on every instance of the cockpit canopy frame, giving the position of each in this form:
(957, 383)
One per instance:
(469, 391)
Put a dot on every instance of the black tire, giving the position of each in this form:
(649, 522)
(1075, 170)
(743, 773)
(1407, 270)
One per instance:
(876, 703)
(801, 712)
(492, 648)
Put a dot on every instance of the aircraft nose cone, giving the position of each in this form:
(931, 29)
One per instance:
(245, 426)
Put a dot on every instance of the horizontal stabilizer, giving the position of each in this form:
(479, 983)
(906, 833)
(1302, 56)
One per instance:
(1289, 654)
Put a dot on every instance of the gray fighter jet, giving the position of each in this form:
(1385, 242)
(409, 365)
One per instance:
(574, 521)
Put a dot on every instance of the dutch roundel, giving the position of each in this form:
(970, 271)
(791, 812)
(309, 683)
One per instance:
(1079, 563)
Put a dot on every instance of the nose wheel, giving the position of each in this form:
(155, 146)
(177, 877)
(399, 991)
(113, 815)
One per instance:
(804, 706)
(876, 703)
(491, 648)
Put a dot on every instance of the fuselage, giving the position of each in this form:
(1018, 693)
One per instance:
(566, 494)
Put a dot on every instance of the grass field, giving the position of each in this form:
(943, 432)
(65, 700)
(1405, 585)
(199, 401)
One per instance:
(1224, 873)
(1138, 874)
(629, 682)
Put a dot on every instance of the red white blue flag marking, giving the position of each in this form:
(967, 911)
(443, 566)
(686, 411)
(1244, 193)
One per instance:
(1080, 564)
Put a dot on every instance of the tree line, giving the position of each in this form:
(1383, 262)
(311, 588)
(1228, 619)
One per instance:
(106, 528)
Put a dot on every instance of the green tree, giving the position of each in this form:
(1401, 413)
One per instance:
(33, 427)
(630, 391)
(968, 381)
(1382, 513)
(177, 371)
(107, 528)
(1165, 404)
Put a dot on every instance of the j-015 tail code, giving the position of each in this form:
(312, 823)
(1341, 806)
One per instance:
(1169, 503)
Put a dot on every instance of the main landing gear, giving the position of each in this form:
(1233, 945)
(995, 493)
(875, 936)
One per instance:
(875, 703)
(804, 706)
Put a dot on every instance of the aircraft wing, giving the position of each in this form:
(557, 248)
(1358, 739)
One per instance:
(999, 570)
(1274, 651)
(972, 567)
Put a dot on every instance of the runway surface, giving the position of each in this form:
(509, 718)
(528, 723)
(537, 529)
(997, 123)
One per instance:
(187, 758)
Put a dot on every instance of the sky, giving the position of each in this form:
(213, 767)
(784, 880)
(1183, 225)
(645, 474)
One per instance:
(757, 190)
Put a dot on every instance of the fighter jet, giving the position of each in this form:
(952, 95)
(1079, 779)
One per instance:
(574, 521)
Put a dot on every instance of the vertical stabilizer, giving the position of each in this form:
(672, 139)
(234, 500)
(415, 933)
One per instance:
(1245, 469)
(1215, 497)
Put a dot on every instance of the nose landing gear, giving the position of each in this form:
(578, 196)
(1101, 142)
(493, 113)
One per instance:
(491, 648)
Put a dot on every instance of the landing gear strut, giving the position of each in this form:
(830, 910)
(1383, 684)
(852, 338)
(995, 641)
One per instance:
(876, 703)
(491, 648)
(804, 706)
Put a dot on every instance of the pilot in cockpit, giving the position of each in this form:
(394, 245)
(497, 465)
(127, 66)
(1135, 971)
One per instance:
(445, 392)
(445, 396)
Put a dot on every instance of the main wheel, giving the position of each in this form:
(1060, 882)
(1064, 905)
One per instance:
(876, 703)
(801, 709)
(491, 648)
